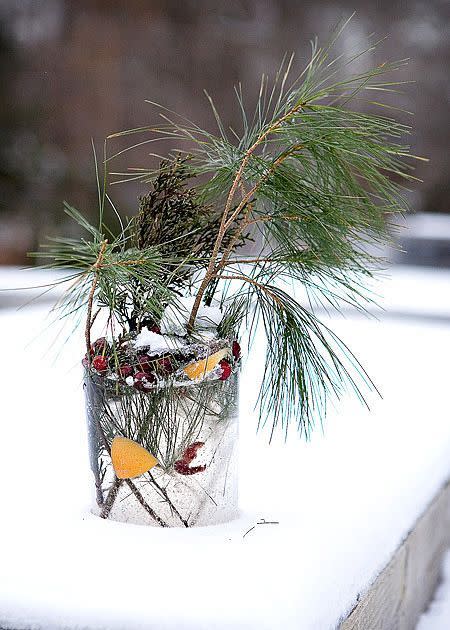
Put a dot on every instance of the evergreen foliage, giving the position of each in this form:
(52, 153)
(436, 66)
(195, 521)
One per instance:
(311, 179)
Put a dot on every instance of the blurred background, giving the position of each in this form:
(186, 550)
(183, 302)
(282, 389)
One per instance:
(75, 70)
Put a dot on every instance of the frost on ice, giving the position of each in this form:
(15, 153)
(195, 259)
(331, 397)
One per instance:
(155, 343)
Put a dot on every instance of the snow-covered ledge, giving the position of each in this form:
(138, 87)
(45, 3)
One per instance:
(344, 504)
(404, 588)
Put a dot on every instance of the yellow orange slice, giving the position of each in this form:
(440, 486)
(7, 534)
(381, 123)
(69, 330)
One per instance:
(200, 368)
(130, 459)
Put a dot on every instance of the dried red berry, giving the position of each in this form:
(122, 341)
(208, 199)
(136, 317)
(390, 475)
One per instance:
(165, 365)
(236, 350)
(182, 465)
(151, 325)
(191, 452)
(100, 346)
(226, 370)
(100, 364)
(144, 362)
(143, 381)
(185, 469)
(125, 370)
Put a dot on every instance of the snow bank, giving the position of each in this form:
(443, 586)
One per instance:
(343, 502)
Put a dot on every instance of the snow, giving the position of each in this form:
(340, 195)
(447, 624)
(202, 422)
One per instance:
(157, 344)
(437, 616)
(175, 316)
(343, 502)
(428, 226)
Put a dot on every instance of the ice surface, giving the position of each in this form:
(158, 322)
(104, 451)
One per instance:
(343, 502)
(198, 422)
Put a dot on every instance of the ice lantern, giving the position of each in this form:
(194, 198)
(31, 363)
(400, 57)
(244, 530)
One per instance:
(164, 456)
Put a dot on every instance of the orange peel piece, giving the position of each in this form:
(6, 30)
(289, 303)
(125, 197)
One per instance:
(130, 459)
(200, 368)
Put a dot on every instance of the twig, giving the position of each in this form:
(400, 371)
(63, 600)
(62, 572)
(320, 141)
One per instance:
(261, 522)
(248, 531)
(95, 315)
(227, 221)
(144, 504)
(247, 197)
(246, 221)
(112, 494)
(167, 498)
(94, 452)
(96, 267)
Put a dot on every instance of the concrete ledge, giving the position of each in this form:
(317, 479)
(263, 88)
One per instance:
(404, 588)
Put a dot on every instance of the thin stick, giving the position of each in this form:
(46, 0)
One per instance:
(166, 496)
(227, 221)
(247, 197)
(112, 494)
(95, 315)
(96, 267)
(144, 504)
(246, 200)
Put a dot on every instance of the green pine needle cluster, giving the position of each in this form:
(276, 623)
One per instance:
(310, 178)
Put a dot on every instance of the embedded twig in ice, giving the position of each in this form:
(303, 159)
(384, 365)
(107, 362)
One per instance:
(166, 497)
(112, 494)
(144, 504)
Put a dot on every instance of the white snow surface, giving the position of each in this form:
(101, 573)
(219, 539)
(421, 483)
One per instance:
(176, 316)
(437, 615)
(343, 502)
(157, 344)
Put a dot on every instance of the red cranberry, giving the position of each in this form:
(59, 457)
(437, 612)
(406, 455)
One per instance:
(151, 325)
(125, 370)
(190, 452)
(226, 370)
(100, 364)
(143, 381)
(165, 365)
(100, 346)
(184, 469)
(236, 350)
(144, 362)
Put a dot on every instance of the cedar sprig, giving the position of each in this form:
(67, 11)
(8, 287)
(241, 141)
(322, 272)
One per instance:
(171, 215)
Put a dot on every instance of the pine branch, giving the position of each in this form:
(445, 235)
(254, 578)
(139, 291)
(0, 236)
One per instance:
(315, 179)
